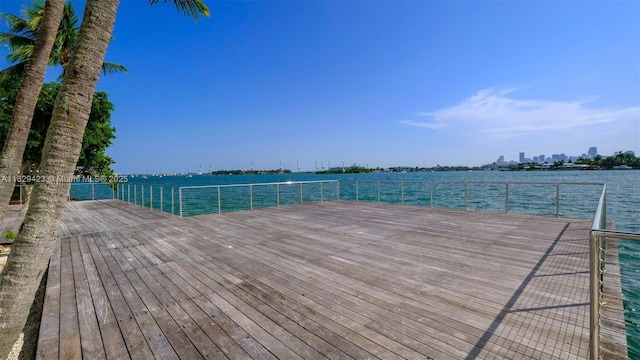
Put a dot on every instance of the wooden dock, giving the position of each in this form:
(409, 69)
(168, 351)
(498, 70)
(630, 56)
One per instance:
(325, 280)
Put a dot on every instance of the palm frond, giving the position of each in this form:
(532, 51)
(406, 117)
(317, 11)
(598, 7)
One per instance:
(18, 25)
(192, 8)
(15, 71)
(20, 54)
(34, 15)
(111, 68)
(15, 41)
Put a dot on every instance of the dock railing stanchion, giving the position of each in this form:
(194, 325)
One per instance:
(594, 296)
(219, 202)
(465, 195)
(558, 200)
(180, 200)
(431, 193)
(506, 198)
(278, 195)
(250, 197)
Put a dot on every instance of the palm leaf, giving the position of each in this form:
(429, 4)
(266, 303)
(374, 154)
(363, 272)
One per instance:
(188, 7)
(15, 41)
(15, 71)
(18, 26)
(111, 68)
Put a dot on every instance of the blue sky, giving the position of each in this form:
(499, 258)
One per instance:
(378, 83)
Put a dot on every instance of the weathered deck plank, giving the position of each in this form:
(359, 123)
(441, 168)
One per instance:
(330, 280)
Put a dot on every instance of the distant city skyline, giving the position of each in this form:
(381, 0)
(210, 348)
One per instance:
(591, 153)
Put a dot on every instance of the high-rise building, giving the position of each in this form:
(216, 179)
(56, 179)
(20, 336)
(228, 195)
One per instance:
(593, 152)
(522, 157)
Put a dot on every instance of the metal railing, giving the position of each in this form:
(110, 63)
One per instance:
(78, 191)
(607, 322)
(607, 314)
(197, 200)
(155, 197)
(538, 198)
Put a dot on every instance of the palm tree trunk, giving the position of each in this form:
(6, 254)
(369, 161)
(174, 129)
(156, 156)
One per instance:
(14, 146)
(32, 248)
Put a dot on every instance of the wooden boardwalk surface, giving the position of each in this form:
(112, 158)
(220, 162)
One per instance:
(326, 280)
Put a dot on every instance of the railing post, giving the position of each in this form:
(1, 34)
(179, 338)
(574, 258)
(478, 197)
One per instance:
(401, 192)
(173, 212)
(219, 204)
(465, 195)
(151, 196)
(558, 200)
(338, 189)
(142, 194)
(594, 296)
(321, 198)
(300, 193)
(506, 197)
(161, 191)
(431, 193)
(135, 195)
(129, 193)
(378, 190)
(250, 197)
(356, 190)
(180, 200)
(93, 191)
(278, 195)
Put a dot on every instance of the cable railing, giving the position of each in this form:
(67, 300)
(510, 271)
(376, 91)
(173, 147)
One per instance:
(536, 198)
(612, 321)
(78, 191)
(611, 278)
(198, 200)
(156, 197)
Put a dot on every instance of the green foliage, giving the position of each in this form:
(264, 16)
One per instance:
(619, 158)
(98, 135)
(22, 35)
(349, 170)
(9, 235)
(188, 7)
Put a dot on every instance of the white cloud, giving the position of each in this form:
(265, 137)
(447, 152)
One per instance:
(432, 125)
(492, 112)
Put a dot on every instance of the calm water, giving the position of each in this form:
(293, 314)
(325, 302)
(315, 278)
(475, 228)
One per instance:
(623, 203)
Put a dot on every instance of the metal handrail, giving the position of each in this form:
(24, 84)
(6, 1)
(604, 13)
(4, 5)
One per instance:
(597, 263)
(508, 186)
(147, 195)
(183, 192)
(89, 194)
